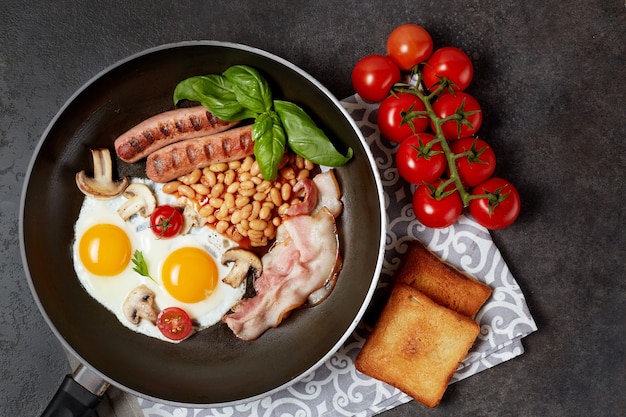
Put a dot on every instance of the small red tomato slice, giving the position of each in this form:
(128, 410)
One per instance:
(478, 163)
(166, 222)
(418, 164)
(499, 208)
(434, 209)
(174, 323)
(408, 45)
(396, 115)
(449, 65)
(463, 105)
(373, 76)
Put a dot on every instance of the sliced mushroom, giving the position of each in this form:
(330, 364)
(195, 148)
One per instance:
(139, 304)
(245, 262)
(140, 200)
(192, 218)
(102, 185)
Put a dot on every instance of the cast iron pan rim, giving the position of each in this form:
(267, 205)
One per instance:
(293, 67)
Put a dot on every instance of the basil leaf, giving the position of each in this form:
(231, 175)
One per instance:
(306, 139)
(197, 88)
(215, 93)
(269, 143)
(251, 89)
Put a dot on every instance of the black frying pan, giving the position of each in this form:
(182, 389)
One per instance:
(211, 368)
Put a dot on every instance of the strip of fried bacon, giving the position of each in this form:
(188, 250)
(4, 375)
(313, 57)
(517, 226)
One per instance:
(303, 259)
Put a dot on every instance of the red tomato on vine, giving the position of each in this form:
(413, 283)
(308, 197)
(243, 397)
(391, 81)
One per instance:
(477, 163)
(399, 116)
(499, 208)
(437, 208)
(419, 161)
(465, 108)
(449, 68)
(373, 76)
(409, 45)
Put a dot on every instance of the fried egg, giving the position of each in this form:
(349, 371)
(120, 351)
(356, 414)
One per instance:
(184, 271)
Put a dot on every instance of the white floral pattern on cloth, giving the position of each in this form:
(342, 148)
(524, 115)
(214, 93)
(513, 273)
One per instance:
(336, 388)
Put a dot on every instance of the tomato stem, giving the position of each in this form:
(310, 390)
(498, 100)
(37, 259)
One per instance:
(462, 154)
(460, 117)
(450, 156)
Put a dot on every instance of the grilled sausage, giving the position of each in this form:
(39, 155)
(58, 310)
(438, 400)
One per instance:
(166, 128)
(183, 157)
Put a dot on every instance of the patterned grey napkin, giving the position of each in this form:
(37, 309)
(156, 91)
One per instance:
(336, 388)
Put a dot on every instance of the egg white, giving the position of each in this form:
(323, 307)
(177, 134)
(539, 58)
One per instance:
(111, 291)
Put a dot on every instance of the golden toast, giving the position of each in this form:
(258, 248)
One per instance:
(442, 282)
(416, 345)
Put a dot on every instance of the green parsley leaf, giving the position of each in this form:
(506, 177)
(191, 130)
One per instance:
(141, 267)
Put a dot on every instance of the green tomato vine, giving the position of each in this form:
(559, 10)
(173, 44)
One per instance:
(460, 117)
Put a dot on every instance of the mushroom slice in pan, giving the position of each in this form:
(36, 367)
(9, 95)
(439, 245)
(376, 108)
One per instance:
(139, 304)
(102, 185)
(140, 200)
(191, 218)
(245, 262)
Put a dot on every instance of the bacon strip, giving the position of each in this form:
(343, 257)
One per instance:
(309, 201)
(304, 257)
(329, 192)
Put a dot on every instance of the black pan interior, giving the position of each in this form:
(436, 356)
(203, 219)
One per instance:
(212, 367)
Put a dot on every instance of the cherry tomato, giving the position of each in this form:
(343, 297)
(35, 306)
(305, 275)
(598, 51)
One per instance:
(479, 163)
(174, 323)
(417, 164)
(373, 76)
(466, 107)
(393, 113)
(408, 45)
(451, 64)
(501, 206)
(435, 209)
(166, 221)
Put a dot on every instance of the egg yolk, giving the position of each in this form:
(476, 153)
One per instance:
(189, 274)
(105, 250)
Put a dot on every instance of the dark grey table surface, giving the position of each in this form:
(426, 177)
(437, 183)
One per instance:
(551, 77)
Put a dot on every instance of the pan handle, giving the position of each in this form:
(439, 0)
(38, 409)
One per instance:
(78, 395)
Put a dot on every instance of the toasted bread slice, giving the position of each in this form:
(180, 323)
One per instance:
(442, 282)
(416, 345)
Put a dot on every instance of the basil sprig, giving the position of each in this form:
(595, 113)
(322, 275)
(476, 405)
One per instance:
(241, 93)
(269, 143)
(306, 139)
(251, 90)
(214, 92)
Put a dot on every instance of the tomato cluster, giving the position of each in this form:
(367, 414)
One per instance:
(425, 109)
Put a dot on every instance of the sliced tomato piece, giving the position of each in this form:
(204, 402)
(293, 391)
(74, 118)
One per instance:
(174, 323)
